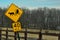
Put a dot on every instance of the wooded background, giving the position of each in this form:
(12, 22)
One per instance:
(40, 18)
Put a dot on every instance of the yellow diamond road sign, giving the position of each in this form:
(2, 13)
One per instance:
(16, 26)
(14, 13)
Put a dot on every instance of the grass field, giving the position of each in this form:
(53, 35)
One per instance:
(32, 36)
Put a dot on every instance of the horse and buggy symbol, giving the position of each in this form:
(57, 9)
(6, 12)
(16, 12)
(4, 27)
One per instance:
(12, 13)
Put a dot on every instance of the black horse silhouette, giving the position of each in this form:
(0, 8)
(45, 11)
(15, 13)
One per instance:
(12, 13)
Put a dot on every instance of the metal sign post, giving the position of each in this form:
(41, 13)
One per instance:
(18, 35)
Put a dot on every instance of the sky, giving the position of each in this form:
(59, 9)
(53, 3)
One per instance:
(31, 3)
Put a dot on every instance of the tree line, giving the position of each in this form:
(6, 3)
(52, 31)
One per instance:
(40, 18)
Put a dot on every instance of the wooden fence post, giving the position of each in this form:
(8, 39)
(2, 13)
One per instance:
(25, 33)
(7, 34)
(40, 35)
(0, 34)
(59, 37)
